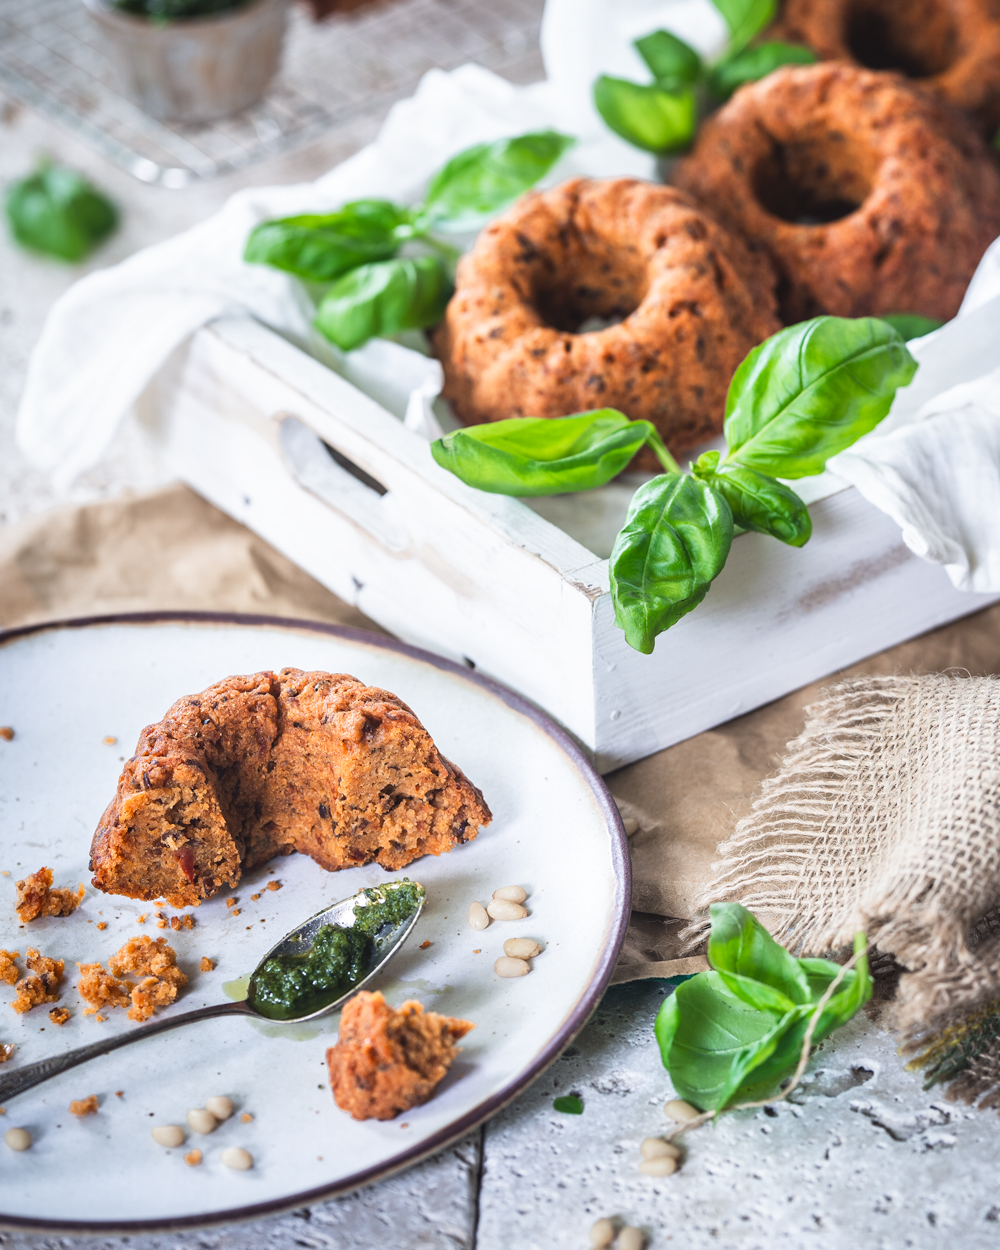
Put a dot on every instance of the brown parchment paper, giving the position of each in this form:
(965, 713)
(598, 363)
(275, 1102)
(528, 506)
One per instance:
(171, 550)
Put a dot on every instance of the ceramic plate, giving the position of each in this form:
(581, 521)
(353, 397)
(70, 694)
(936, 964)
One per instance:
(67, 690)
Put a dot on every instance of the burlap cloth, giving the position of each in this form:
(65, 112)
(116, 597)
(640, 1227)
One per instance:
(172, 550)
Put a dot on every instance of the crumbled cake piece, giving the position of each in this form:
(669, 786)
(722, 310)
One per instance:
(6, 733)
(8, 971)
(102, 924)
(206, 964)
(36, 897)
(273, 885)
(182, 922)
(148, 995)
(84, 1106)
(193, 1158)
(267, 764)
(100, 989)
(145, 958)
(386, 1060)
(6, 1052)
(42, 983)
(59, 1015)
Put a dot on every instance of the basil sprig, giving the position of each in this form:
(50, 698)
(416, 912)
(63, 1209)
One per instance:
(376, 291)
(662, 116)
(59, 213)
(800, 397)
(736, 1033)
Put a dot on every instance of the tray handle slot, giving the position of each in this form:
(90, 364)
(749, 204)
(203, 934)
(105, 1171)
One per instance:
(338, 482)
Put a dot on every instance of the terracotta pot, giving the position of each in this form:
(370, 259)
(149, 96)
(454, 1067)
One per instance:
(197, 69)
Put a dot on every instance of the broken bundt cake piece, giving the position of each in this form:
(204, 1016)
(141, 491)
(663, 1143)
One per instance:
(267, 764)
(387, 1060)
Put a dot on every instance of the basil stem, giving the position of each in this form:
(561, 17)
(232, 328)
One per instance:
(646, 116)
(59, 213)
(736, 1033)
(674, 63)
(757, 502)
(674, 544)
(384, 298)
(320, 248)
(752, 64)
(487, 177)
(812, 390)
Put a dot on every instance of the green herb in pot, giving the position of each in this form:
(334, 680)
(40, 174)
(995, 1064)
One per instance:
(375, 291)
(58, 212)
(737, 1033)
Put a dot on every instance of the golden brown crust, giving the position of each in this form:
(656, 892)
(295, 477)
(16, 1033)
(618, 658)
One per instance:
(268, 764)
(694, 298)
(950, 48)
(822, 140)
(386, 1060)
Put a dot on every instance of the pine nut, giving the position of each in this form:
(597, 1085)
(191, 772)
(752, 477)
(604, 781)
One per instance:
(521, 948)
(602, 1233)
(478, 919)
(657, 1148)
(681, 1112)
(17, 1138)
(663, 1166)
(237, 1158)
(220, 1106)
(513, 893)
(168, 1135)
(504, 909)
(202, 1120)
(630, 1239)
(507, 967)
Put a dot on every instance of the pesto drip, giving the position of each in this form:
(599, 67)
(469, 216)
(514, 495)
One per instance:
(286, 987)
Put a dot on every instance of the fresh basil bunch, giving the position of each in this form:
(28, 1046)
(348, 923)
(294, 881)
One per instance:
(735, 1034)
(662, 116)
(58, 212)
(373, 291)
(800, 397)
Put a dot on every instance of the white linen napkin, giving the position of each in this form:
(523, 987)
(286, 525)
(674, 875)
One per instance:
(933, 464)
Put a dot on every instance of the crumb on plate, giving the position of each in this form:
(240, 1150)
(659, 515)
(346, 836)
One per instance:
(6, 733)
(192, 1158)
(36, 897)
(6, 1052)
(84, 1106)
(102, 924)
(155, 962)
(42, 983)
(206, 964)
(59, 1015)
(273, 885)
(8, 971)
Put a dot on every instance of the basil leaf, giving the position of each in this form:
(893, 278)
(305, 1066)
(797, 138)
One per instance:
(673, 62)
(647, 117)
(384, 298)
(745, 19)
(543, 455)
(758, 994)
(757, 502)
(740, 944)
(811, 390)
(489, 176)
(674, 543)
(752, 64)
(322, 247)
(912, 325)
(59, 213)
(568, 1104)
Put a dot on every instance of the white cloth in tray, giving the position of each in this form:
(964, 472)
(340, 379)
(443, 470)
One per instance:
(934, 464)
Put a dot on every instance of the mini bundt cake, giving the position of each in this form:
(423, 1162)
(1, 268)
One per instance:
(692, 299)
(268, 764)
(870, 197)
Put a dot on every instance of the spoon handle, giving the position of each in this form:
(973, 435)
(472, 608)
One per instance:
(21, 1079)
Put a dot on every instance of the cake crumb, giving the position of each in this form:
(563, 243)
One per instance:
(254, 897)
(161, 924)
(182, 922)
(246, 1117)
(273, 885)
(110, 741)
(477, 952)
(6, 1052)
(424, 945)
(235, 911)
(42, 983)
(119, 1093)
(36, 897)
(99, 1017)
(155, 962)
(231, 902)
(206, 964)
(141, 918)
(8, 972)
(102, 924)
(59, 1015)
(192, 1158)
(4, 873)
(84, 1106)
(6, 733)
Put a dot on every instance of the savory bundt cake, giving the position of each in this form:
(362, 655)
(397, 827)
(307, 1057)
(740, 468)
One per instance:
(268, 764)
(691, 300)
(870, 197)
(950, 48)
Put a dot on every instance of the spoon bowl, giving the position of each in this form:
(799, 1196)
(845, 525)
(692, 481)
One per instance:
(383, 941)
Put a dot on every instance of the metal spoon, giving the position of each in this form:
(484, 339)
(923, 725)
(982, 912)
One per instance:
(386, 944)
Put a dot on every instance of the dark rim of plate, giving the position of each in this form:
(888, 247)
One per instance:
(577, 1018)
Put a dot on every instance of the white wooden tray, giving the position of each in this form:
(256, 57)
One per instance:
(249, 421)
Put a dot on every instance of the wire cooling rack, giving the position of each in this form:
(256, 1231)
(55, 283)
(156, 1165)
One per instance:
(52, 59)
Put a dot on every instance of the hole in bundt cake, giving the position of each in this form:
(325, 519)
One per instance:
(805, 184)
(603, 288)
(917, 38)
